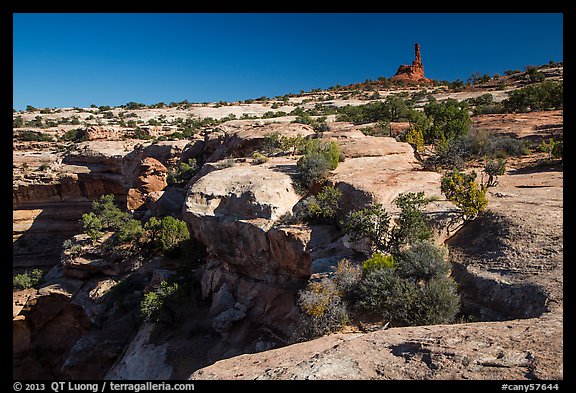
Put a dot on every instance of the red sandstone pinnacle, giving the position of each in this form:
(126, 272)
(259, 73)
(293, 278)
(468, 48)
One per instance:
(414, 72)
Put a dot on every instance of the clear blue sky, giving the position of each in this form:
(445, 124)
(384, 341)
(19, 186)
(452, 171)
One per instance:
(64, 60)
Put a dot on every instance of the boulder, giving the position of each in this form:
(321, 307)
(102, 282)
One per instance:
(234, 213)
(150, 176)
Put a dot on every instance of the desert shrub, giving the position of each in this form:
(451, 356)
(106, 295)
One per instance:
(372, 223)
(110, 216)
(172, 233)
(319, 158)
(383, 292)
(158, 306)
(506, 147)
(327, 149)
(139, 133)
(411, 224)
(313, 169)
(541, 96)
(450, 119)
(552, 147)
(75, 135)
(92, 225)
(415, 138)
(323, 309)
(272, 142)
(456, 85)
(404, 301)
(34, 136)
(382, 128)
(183, 173)
(27, 280)
(347, 276)
(258, 158)
(393, 108)
(534, 75)
(378, 261)
(130, 231)
(323, 206)
(438, 302)
(494, 169)
(17, 122)
(423, 260)
(462, 190)
(227, 163)
(484, 99)
(487, 109)
(558, 150)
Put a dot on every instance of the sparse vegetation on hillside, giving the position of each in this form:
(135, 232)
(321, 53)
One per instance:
(33, 136)
(542, 96)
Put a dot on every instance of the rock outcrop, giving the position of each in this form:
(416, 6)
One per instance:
(508, 265)
(151, 177)
(413, 72)
(512, 350)
(234, 212)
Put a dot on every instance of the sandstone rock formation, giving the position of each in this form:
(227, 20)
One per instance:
(99, 132)
(508, 265)
(151, 177)
(413, 72)
(512, 350)
(233, 212)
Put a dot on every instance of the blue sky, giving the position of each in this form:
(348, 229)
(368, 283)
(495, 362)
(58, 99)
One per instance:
(65, 60)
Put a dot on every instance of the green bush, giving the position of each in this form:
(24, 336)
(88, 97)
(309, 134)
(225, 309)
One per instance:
(75, 135)
(17, 122)
(450, 119)
(320, 157)
(27, 280)
(92, 225)
(327, 149)
(34, 136)
(541, 96)
(552, 147)
(383, 292)
(130, 231)
(438, 302)
(372, 223)
(110, 216)
(462, 190)
(313, 169)
(411, 224)
(403, 301)
(324, 206)
(378, 261)
(423, 260)
(258, 158)
(172, 234)
(158, 306)
(494, 169)
(414, 138)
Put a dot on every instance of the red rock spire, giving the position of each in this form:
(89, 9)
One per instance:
(417, 59)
